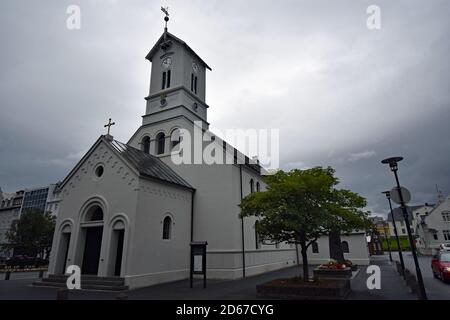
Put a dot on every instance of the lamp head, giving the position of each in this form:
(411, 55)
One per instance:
(393, 162)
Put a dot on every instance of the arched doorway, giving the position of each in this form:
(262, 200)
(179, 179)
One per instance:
(63, 249)
(92, 230)
(116, 248)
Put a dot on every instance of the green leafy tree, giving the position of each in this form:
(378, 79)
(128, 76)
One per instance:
(32, 233)
(299, 206)
(290, 210)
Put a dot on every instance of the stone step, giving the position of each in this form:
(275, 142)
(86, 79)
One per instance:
(117, 282)
(84, 277)
(52, 284)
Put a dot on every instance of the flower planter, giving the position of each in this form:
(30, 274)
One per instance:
(324, 289)
(345, 273)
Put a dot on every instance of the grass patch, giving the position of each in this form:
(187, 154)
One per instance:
(404, 243)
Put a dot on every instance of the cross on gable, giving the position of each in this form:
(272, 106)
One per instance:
(109, 124)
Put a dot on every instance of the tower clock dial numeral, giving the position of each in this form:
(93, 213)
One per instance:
(167, 62)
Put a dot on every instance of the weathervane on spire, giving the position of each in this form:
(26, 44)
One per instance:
(166, 18)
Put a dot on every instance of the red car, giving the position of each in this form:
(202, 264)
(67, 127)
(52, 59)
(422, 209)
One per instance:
(440, 264)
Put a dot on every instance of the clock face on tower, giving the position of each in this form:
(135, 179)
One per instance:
(167, 62)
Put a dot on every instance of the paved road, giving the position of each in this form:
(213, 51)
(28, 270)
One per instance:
(435, 288)
(392, 287)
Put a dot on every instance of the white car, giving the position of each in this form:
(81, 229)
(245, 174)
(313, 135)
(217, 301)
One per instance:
(444, 246)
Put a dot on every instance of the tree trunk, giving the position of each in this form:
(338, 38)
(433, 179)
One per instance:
(305, 263)
(336, 252)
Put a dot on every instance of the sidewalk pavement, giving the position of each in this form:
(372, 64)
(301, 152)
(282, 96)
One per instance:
(392, 287)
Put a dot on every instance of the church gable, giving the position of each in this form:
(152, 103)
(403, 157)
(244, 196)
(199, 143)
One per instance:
(127, 162)
(99, 161)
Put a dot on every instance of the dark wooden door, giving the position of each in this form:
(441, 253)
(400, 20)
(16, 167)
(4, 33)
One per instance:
(66, 239)
(120, 234)
(92, 248)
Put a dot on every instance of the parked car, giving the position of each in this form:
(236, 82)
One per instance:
(440, 265)
(445, 246)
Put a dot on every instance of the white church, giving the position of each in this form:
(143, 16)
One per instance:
(129, 212)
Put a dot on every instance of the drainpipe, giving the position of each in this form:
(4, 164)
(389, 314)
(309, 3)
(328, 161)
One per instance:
(192, 214)
(242, 226)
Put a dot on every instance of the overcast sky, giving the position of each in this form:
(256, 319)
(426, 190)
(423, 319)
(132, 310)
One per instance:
(341, 94)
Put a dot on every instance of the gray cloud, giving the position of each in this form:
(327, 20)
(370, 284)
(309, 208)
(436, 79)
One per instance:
(342, 95)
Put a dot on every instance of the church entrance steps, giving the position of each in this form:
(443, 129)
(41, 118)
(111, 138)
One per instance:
(88, 282)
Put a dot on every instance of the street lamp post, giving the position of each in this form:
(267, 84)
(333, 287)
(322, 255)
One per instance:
(387, 242)
(400, 254)
(393, 164)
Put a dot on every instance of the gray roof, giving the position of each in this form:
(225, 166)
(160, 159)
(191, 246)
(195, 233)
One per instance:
(398, 214)
(148, 165)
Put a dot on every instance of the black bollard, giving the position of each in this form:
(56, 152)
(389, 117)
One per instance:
(7, 275)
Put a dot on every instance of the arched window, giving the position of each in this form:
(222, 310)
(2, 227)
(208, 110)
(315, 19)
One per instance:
(345, 247)
(160, 143)
(167, 228)
(257, 238)
(315, 247)
(175, 137)
(163, 84)
(252, 186)
(168, 78)
(145, 144)
(192, 82)
(95, 213)
(258, 187)
(195, 84)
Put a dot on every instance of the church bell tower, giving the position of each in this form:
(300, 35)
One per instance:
(177, 81)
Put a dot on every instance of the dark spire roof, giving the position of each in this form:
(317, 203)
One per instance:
(168, 36)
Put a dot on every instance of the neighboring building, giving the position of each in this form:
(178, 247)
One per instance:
(433, 226)
(35, 198)
(381, 225)
(9, 212)
(400, 221)
(45, 199)
(14, 204)
(128, 210)
(53, 199)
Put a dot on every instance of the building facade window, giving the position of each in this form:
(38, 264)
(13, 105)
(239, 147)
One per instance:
(195, 84)
(403, 231)
(175, 138)
(435, 236)
(258, 187)
(160, 143)
(446, 216)
(163, 84)
(146, 144)
(345, 247)
(169, 72)
(252, 186)
(315, 247)
(167, 228)
(446, 234)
